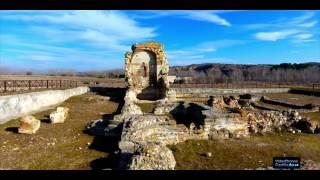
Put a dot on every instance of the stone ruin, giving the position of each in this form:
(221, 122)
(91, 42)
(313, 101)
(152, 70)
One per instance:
(146, 70)
(144, 135)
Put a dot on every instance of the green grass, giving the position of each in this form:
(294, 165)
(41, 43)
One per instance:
(253, 152)
(147, 107)
(314, 116)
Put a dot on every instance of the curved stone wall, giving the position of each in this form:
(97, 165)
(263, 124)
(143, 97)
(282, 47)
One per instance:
(14, 106)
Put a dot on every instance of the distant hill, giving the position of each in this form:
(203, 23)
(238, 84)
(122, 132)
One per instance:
(285, 72)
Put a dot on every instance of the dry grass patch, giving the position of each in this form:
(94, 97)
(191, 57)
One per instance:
(57, 146)
(252, 152)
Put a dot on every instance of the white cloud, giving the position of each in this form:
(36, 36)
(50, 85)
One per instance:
(199, 53)
(220, 43)
(206, 16)
(303, 36)
(274, 36)
(308, 24)
(114, 28)
(303, 18)
(41, 58)
(285, 27)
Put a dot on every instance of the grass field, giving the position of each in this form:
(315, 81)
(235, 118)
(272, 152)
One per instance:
(252, 152)
(60, 146)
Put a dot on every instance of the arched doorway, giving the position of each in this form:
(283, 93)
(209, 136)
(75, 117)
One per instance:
(144, 70)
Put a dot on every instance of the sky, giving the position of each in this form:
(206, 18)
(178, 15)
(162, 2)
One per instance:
(97, 40)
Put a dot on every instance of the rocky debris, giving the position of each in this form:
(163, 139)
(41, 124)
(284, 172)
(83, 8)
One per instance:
(310, 165)
(245, 104)
(242, 112)
(293, 130)
(152, 156)
(269, 121)
(164, 108)
(220, 125)
(209, 154)
(144, 139)
(96, 127)
(171, 95)
(60, 115)
(217, 102)
(307, 126)
(29, 125)
(217, 124)
(130, 96)
(263, 122)
(245, 96)
(131, 108)
(219, 134)
(51, 144)
(231, 101)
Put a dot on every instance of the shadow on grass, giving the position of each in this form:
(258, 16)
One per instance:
(46, 119)
(115, 94)
(109, 146)
(12, 129)
(187, 114)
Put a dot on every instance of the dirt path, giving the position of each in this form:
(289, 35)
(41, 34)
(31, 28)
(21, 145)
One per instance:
(60, 146)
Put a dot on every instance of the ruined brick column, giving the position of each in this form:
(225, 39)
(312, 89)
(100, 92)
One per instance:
(146, 70)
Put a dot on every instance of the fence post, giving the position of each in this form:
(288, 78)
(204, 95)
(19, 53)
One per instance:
(279, 85)
(14, 88)
(29, 84)
(5, 86)
(312, 87)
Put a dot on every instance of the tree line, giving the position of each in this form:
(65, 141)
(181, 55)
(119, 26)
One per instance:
(222, 73)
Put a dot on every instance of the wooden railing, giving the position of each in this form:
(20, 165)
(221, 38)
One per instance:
(28, 85)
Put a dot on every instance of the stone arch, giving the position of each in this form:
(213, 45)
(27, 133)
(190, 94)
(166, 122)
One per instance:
(144, 68)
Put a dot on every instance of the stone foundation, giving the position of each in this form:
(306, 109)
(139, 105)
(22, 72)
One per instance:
(145, 134)
(206, 92)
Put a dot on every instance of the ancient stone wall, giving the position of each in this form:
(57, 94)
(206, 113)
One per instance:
(14, 106)
(206, 92)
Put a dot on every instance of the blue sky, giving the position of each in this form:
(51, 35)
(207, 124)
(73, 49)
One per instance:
(97, 40)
